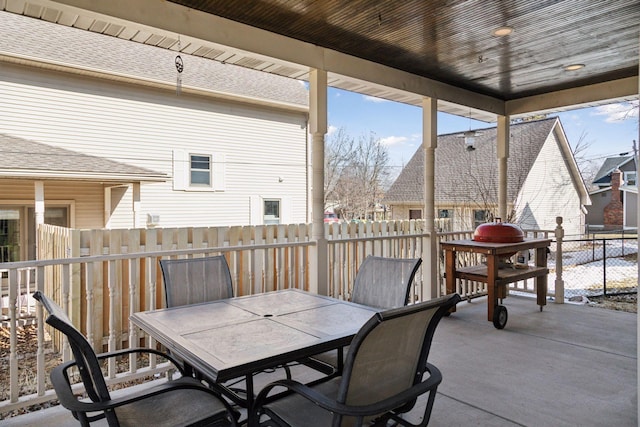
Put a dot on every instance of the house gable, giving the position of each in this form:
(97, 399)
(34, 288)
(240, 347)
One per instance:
(467, 180)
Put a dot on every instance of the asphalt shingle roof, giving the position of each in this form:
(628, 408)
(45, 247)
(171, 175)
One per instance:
(462, 174)
(18, 155)
(42, 40)
(610, 164)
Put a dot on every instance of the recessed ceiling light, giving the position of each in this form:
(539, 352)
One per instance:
(573, 67)
(502, 31)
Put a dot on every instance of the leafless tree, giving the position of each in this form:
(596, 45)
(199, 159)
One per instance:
(338, 152)
(588, 167)
(356, 173)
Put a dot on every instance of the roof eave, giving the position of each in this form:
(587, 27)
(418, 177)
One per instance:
(81, 176)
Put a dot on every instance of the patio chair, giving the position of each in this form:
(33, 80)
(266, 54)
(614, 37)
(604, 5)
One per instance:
(196, 280)
(184, 401)
(385, 372)
(384, 282)
(381, 282)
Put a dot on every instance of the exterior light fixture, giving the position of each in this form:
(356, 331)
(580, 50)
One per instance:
(502, 31)
(469, 140)
(574, 67)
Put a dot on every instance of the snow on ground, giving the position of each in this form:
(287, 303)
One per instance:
(582, 276)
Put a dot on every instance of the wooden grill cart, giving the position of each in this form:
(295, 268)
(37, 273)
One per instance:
(493, 275)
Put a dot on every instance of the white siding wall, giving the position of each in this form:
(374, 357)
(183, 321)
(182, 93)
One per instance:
(550, 192)
(264, 149)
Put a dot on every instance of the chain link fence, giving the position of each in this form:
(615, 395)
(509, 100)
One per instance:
(598, 266)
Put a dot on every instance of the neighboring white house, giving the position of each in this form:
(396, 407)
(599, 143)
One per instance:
(230, 149)
(543, 180)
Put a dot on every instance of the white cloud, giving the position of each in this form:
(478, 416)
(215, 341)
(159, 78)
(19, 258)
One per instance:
(618, 112)
(373, 99)
(331, 130)
(390, 141)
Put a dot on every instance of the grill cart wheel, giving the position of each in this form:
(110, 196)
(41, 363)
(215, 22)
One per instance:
(500, 316)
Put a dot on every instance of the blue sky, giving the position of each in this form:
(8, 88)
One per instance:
(399, 126)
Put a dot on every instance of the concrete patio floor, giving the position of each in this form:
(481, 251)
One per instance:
(569, 365)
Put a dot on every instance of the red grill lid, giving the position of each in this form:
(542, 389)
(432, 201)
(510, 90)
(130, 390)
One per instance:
(498, 232)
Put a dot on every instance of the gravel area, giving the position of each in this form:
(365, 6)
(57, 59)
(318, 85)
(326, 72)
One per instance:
(624, 302)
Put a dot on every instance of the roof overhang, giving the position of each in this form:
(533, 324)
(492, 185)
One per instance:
(80, 176)
(242, 44)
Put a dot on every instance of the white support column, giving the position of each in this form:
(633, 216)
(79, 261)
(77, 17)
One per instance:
(39, 210)
(137, 205)
(429, 144)
(318, 128)
(638, 228)
(107, 207)
(503, 156)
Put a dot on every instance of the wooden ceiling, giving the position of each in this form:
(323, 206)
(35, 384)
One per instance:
(401, 50)
(451, 40)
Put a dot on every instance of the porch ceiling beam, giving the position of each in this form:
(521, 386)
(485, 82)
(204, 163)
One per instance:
(584, 96)
(178, 19)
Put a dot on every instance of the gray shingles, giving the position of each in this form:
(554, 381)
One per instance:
(461, 175)
(610, 164)
(18, 154)
(47, 41)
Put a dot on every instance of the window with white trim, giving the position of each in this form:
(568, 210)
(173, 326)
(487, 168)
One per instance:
(630, 178)
(480, 217)
(198, 171)
(445, 213)
(271, 211)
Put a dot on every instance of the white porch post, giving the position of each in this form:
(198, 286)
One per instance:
(503, 156)
(137, 205)
(638, 228)
(39, 210)
(318, 128)
(429, 143)
(107, 207)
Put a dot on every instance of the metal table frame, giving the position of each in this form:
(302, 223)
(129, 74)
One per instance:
(236, 337)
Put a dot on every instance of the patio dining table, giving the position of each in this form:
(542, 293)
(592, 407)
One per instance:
(240, 336)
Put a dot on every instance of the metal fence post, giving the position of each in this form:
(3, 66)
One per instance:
(604, 267)
(559, 285)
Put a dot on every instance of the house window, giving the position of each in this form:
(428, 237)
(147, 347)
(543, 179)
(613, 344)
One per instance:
(480, 217)
(200, 170)
(445, 213)
(630, 178)
(415, 214)
(271, 211)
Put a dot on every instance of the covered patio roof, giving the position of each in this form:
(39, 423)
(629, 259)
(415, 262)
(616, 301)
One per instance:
(401, 51)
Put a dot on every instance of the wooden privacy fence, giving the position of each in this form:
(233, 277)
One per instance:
(103, 292)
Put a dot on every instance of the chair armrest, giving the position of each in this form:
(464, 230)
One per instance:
(124, 352)
(62, 384)
(70, 401)
(385, 405)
